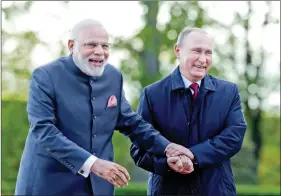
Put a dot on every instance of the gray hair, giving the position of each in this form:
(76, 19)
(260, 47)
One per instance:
(82, 25)
(185, 32)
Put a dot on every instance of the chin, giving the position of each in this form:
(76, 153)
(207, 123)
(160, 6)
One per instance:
(96, 71)
(199, 76)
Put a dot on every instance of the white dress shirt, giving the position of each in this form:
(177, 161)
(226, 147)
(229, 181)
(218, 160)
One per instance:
(187, 83)
(85, 170)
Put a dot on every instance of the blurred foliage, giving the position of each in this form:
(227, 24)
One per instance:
(16, 58)
(15, 127)
(14, 131)
(242, 190)
(253, 83)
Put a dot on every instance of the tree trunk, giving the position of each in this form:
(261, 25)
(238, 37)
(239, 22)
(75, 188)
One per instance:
(151, 44)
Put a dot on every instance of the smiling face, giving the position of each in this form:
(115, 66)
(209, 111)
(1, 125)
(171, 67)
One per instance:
(91, 50)
(195, 55)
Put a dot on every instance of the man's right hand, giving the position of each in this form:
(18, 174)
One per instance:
(112, 172)
(173, 150)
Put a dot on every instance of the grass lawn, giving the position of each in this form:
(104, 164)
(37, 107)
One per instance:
(242, 190)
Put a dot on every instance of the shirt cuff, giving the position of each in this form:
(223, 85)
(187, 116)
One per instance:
(86, 167)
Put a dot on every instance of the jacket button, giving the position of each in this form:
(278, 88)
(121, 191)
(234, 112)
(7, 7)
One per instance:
(194, 191)
(95, 117)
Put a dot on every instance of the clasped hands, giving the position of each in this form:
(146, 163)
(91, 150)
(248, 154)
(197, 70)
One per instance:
(179, 159)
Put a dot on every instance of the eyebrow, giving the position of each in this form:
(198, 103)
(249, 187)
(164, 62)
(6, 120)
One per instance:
(206, 49)
(94, 41)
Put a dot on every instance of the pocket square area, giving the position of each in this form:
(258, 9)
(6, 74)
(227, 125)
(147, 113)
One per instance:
(112, 101)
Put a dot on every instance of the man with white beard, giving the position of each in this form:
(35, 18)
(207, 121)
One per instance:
(96, 69)
(75, 103)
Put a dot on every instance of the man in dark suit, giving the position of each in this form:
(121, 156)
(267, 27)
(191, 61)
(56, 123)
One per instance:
(196, 110)
(75, 103)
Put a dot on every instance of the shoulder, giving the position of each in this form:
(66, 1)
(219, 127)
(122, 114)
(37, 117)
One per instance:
(159, 86)
(223, 85)
(48, 68)
(109, 68)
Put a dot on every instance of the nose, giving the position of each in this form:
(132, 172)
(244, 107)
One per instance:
(98, 50)
(202, 58)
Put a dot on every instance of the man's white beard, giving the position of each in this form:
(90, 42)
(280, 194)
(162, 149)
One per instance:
(84, 66)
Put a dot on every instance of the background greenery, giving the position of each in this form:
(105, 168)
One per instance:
(242, 190)
(150, 57)
(15, 127)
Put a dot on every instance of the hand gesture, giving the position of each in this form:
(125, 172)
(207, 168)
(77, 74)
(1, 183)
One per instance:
(112, 172)
(181, 164)
(187, 165)
(175, 163)
(173, 150)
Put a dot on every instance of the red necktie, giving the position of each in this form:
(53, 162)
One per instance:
(194, 87)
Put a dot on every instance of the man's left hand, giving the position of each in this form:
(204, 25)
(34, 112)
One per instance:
(173, 150)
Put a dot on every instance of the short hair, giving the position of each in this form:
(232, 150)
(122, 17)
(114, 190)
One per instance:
(185, 32)
(82, 25)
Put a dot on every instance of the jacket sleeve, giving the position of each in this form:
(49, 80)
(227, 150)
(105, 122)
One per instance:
(142, 158)
(140, 132)
(41, 115)
(228, 142)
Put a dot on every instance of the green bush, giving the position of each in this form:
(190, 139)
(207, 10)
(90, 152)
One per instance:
(242, 190)
(14, 130)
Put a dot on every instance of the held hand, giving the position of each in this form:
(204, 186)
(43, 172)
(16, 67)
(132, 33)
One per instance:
(112, 172)
(187, 165)
(175, 164)
(181, 164)
(173, 150)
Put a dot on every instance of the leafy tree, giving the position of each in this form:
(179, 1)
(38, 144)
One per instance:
(248, 70)
(17, 50)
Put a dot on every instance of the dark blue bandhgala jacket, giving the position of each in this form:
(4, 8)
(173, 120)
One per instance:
(69, 120)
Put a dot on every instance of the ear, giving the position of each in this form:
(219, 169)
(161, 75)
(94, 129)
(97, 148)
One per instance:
(70, 45)
(177, 50)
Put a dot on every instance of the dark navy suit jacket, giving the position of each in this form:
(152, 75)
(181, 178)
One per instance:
(212, 127)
